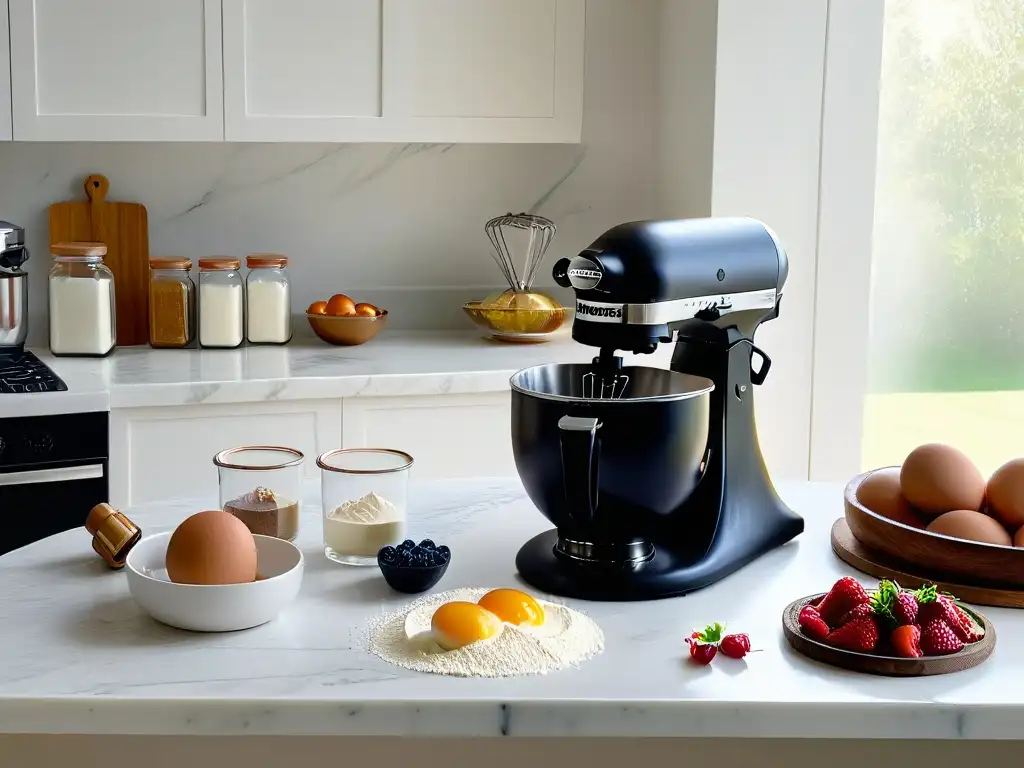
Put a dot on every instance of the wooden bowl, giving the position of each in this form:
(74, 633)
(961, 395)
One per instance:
(347, 330)
(945, 557)
(893, 666)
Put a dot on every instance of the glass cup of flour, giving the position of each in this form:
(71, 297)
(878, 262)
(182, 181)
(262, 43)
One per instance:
(365, 496)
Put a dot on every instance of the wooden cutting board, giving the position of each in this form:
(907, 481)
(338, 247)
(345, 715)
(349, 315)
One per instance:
(124, 229)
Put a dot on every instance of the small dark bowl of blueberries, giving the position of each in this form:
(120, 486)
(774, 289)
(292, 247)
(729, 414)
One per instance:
(413, 568)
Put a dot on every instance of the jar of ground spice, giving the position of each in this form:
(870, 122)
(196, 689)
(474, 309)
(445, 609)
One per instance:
(261, 485)
(172, 303)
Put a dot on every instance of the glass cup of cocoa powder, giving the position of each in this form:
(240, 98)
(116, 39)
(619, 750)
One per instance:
(261, 485)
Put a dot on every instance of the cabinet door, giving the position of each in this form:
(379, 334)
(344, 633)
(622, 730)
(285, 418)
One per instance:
(116, 70)
(306, 70)
(448, 435)
(164, 453)
(5, 76)
(485, 70)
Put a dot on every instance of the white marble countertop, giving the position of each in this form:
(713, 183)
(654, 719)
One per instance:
(80, 657)
(394, 363)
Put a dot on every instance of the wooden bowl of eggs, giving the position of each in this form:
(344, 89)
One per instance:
(937, 511)
(212, 575)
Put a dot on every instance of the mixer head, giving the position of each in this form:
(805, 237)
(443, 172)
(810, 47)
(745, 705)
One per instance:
(639, 282)
(520, 241)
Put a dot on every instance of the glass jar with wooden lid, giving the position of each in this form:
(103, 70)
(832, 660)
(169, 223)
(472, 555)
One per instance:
(172, 303)
(221, 302)
(82, 311)
(268, 307)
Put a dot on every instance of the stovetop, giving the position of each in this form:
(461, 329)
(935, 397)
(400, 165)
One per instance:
(21, 371)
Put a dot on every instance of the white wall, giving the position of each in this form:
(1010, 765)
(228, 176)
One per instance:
(399, 225)
(739, 134)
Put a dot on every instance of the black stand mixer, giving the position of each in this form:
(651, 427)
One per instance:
(654, 478)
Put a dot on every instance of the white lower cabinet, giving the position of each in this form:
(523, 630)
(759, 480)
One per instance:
(164, 453)
(448, 435)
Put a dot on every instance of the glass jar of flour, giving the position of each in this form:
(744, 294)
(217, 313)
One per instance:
(221, 303)
(268, 306)
(81, 287)
(364, 493)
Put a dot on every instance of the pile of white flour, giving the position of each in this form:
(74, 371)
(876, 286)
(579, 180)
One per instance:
(566, 639)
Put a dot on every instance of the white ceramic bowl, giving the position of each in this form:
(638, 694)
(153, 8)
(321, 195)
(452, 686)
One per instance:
(220, 608)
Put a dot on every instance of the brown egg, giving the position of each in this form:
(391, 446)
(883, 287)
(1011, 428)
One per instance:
(317, 308)
(339, 305)
(367, 310)
(973, 526)
(938, 478)
(211, 547)
(880, 492)
(1018, 537)
(1005, 494)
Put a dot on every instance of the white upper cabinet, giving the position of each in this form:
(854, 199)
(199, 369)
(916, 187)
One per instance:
(5, 76)
(116, 70)
(485, 70)
(305, 70)
(404, 70)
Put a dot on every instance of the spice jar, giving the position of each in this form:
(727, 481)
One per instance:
(172, 303)
(268, 306)
(261, 485)
(81, 288)
(221, 304)
(364, 493)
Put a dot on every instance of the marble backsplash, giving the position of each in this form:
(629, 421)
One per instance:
(397, 225)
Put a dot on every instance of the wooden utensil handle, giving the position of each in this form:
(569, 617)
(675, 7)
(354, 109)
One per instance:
(96, 187)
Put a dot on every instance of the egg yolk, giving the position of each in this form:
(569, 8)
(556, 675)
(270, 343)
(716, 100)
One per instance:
(513, 606)
(459, 623)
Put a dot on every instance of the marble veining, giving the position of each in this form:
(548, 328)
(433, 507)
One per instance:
(80, 657)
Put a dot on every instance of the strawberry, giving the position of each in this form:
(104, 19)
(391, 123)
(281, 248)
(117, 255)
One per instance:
(845, 595)
(972, 636)
(735, 646)
(859, 635)
(702, 654)
(704, 643)
(906, 641)
(812, 624)
(935, 606)
(904, 609)
(937, 639)
(858, 612)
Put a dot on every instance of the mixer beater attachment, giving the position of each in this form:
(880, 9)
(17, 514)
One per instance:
(606, 382)
(603, 387)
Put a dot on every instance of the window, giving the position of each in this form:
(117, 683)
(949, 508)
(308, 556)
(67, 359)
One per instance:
(945, 358)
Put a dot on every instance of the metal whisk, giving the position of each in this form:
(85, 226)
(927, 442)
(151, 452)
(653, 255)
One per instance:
(602, 387)
(504, 231)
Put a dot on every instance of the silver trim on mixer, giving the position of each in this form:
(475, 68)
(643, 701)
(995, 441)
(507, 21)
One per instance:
(661, 312)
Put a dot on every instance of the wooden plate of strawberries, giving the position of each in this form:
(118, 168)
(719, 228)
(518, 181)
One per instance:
(888, 630)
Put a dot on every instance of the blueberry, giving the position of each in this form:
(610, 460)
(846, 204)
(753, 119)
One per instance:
(436, 559)
(387, 555)
(418, 551)
(427, 544)
(444, 553)
(408, 544)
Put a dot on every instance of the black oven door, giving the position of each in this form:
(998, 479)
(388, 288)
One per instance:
(53, 470)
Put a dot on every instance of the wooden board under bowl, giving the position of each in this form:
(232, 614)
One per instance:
(945, 557)
(892, 666)
(848, 549)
